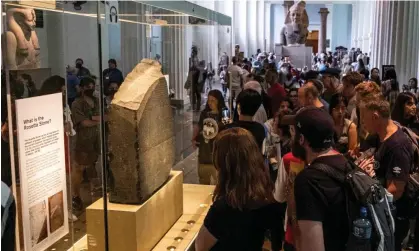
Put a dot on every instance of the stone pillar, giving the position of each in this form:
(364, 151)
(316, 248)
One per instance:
(323, 29)
(287, 5)
(175, 56)
(268, 41)
(240, 18)
(396, 38)
(355, 24)
(261, 25)
(252, 23)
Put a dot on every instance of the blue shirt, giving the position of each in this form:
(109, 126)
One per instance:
(72, 82)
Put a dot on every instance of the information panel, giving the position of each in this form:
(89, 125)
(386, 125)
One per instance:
(40, 134)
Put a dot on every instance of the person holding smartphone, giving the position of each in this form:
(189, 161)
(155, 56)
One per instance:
(210, 123)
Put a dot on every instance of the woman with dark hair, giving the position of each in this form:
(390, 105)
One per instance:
(404, 111)
(243, 207)
(275, 135)
(413, 85)
(346, 135)
(205, 131)
(375, 76)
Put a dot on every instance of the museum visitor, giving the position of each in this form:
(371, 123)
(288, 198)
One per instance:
(81, 70)
(243, 205)
(111, 75)
(209, 125)
(86, 119)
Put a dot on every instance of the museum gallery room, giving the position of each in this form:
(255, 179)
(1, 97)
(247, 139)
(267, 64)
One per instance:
(210, 125)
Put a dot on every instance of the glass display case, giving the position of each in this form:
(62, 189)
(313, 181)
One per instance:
(86, 86)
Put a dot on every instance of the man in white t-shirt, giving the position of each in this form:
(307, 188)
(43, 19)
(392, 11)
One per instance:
(236, 75)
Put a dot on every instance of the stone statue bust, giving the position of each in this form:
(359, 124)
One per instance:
(20, 42)
(296, 22)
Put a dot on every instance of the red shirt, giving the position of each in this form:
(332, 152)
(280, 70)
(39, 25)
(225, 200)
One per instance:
(295, 165)
(276, 90)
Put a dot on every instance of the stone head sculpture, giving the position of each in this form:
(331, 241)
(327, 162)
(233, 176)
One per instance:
(297, 14)
(296, 22)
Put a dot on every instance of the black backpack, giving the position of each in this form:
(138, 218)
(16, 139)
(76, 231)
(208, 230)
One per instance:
(411, 191)
(363, 191)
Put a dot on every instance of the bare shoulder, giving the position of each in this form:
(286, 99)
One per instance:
(352, 127)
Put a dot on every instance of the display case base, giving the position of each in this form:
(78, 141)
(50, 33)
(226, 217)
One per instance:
(197, 202)
(136, 227)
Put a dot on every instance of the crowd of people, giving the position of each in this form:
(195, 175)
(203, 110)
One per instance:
(283, 163)
(270, 153)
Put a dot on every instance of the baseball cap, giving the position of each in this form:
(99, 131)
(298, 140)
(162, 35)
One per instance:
(310, 75)
(314, 123)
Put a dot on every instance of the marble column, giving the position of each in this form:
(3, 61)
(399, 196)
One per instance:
(323, 29)
(261, 25)
(252, 21)
(396, 38)
(329, 26)
(287, 5)
(268, 43)
(175, 56)
(240, 18)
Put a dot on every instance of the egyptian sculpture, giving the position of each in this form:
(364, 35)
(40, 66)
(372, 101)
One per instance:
(20, 42)
(295, 30)
(141, 135)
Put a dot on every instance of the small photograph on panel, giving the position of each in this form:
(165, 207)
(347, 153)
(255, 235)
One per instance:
(38, 222)
(56, 211)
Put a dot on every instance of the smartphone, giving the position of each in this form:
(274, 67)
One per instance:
(365, 155)
(225, 116)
